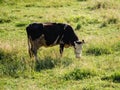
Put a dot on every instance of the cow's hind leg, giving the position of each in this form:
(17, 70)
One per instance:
(61, 49)
(30, 52)
(30, 47)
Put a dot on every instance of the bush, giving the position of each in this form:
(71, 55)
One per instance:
(78, 74)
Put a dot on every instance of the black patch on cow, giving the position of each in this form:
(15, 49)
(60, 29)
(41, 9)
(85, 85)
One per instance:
(52, 32)
(35, 30)
(69, 36)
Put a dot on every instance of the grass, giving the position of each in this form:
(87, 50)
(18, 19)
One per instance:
(97, 22)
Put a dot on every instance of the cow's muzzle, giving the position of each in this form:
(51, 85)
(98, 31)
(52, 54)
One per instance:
(78, 55)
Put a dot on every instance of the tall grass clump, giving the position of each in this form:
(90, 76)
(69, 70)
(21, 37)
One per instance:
(46, 63)
(4, 20)
(81, 0)
(78, 26)
(79, 74)
(103, 4)
(116, 46)
(50, 63)
(99, 50)
(21, 24)
(81, 21)
(12, 65)
(115, 77)
(8, 62)
(111, 18)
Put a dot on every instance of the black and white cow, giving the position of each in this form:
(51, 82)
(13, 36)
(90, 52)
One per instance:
(50, 34)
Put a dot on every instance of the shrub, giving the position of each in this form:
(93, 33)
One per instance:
(78, 74)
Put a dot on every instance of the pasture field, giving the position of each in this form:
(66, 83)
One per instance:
(95, 21)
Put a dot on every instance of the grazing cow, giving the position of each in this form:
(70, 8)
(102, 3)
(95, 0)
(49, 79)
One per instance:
(50, 34)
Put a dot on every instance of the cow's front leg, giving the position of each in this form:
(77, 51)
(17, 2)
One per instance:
(61, 49)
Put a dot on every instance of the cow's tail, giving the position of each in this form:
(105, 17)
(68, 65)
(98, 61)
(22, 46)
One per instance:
(29, 43)
(30, 47)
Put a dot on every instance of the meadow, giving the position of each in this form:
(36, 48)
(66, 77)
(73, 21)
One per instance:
(95, 21)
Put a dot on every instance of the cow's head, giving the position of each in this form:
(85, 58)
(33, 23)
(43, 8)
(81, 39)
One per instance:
(78, 48)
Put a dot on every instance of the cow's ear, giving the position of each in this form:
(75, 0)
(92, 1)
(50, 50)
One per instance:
(83, 41)
(78, 42)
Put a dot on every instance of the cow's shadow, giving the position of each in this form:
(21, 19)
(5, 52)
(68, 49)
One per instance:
(50, 63)
(46, 63)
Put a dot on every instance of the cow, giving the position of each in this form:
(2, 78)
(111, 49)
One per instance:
(51, 34)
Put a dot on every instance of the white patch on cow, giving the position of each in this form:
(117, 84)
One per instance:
(55, 42)
(65, 26)
(78, 48)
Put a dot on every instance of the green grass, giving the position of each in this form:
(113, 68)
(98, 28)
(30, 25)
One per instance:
(97, 22)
